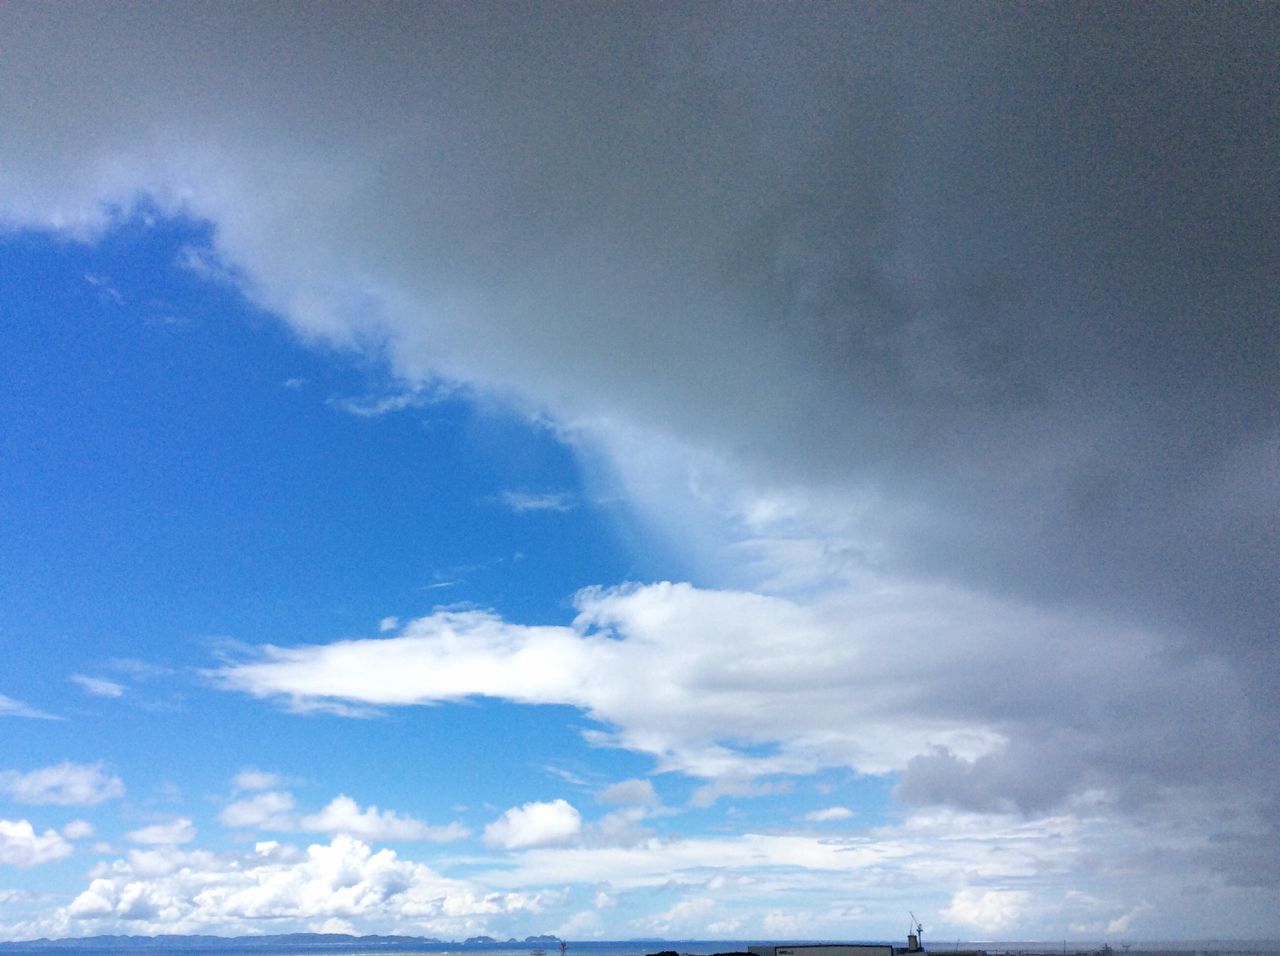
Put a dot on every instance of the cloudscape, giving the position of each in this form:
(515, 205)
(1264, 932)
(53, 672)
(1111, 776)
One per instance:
(705, 471)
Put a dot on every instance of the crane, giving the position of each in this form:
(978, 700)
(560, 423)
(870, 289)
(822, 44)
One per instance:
(919, 929)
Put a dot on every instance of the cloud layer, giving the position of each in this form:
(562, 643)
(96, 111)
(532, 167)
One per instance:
(941, 341)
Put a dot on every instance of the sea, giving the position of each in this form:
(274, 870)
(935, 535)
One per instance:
(401, 946)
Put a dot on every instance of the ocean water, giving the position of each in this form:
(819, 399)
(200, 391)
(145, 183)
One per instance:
(179, 946)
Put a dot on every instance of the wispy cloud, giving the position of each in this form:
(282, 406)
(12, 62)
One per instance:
(372, 406)
(137, 669)
(523, 501)
(829, 815)
(107, 290)
(16, 708)
(98, 686)
(170, 833)
(251, 778)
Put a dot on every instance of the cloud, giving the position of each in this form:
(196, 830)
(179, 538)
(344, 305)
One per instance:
(1016, 431)
(252, 779)
(64, 784)
(988, 911)
(107, 290)
(978, 394)
(534, 825)
(733, 786)
(267, 810)
(139, 670)
(78, 830)
(636, 791)
(20, 845)
(388, 624)
(521, 502)
(181, 830)
(343, 815)
(98, 686)
(179, 891)
(371, 406)
(705, 682)
(829, 815)
(16, 708)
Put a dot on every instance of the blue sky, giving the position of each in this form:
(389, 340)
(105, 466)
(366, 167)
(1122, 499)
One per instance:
(696, 472)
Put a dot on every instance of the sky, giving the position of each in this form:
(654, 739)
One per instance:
(709, 470)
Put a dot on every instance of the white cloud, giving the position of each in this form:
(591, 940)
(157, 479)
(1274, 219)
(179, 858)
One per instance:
(388, 624)
(78, 830)
(731, 686)
(20, 845)
(267, 810)
(619, 828)
(64, 784)
(373, 406)
(252, 779)
(98, 686)
(137, 669)
(183, 892)
(343, 815)
(181, 830)
(829, 814)
(635, 791)
(16, 708)
(988, 911)
(735, 786)
(521, 501)
(534, 825)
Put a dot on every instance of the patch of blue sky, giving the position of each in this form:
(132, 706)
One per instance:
(181, 475)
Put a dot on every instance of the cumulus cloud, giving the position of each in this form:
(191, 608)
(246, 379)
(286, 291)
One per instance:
(64, 784)
(178, 891)
(20, 845)
(533, 825)
(343, 815)
(174, 832)
(98, 686)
